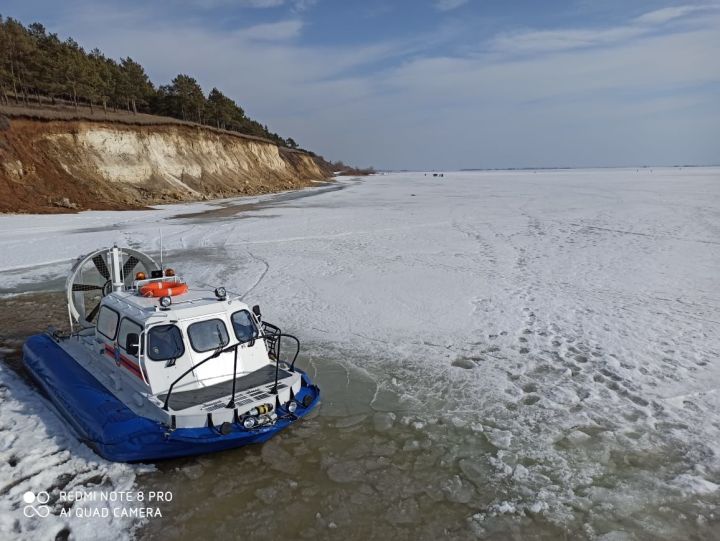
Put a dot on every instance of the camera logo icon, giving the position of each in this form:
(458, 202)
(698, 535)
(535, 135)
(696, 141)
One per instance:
(33, 510)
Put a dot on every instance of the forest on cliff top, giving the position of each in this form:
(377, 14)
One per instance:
(36, 66)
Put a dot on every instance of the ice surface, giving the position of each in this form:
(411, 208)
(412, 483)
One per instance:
(568, 322)
(38, 453)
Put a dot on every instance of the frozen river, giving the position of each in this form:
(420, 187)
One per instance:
(502, 354)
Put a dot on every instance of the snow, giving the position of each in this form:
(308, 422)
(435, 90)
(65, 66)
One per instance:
(39, 453)
(569, 320)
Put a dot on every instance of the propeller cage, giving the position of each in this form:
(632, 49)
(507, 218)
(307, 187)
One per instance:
(96, 275)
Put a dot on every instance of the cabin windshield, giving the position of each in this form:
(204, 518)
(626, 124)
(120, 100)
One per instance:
(244, 326)
(208, 335)
(165, 343)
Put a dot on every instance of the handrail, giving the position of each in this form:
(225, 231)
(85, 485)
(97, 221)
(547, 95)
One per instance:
(137, 284)
(231, 404)
(217, 353)
(279, 337)
(141, 357)
(276, 337)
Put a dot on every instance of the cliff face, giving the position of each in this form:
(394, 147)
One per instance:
(56, 166)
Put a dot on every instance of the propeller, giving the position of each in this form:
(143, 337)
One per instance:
(84, 287)
(101, 266)
(91, 279)
(129, 265)
(93, 312)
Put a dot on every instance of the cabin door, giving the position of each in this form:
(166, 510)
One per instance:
(166, 357)
(207, 335)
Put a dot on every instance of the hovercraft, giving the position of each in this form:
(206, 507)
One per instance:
(154, 369)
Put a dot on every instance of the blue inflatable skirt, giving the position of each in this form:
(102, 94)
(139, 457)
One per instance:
(114, 432)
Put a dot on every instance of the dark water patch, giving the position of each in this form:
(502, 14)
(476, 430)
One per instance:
(26, 314)
(47, 280)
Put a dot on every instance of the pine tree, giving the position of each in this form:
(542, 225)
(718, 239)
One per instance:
(19, 52)
(73, 68)
(188, 96)
(222, 112)
(136, 83)
(4, 63)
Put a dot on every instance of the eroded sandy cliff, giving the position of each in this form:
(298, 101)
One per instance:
(55, 166)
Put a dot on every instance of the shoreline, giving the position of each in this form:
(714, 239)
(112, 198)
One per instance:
(21, 275)
(164, 204)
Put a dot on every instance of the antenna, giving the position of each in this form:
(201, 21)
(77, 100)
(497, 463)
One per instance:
(161, 249)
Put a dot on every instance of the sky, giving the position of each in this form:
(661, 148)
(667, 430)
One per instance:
(436, 84)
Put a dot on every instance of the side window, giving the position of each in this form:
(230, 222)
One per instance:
(165, 342)
(107, 322)
(244, 326)
(126, 327)
(207, 335)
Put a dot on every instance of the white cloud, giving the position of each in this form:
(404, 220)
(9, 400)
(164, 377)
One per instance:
(302, 5)
(665, 15)
(541, 41)
(278, 31)
(559, 40)
(260, 4)
(449, 5)
(655, 63)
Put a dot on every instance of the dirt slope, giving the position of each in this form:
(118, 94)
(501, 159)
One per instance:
(68, 165)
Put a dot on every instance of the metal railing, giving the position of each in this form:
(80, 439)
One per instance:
(216, 354)
(271, 334)
(273, 340)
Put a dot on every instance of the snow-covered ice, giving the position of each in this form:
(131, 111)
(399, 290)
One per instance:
(567, 322)
(39, 453)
